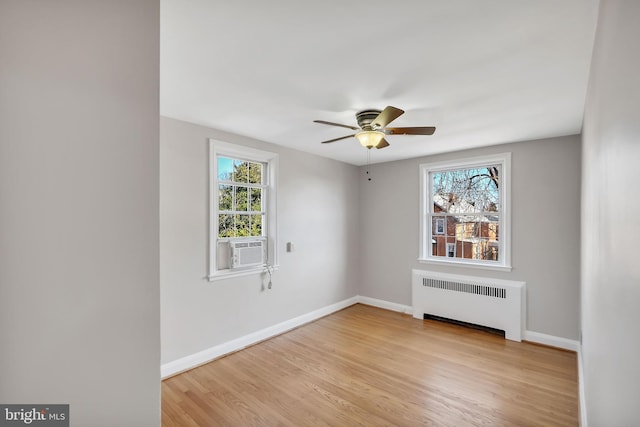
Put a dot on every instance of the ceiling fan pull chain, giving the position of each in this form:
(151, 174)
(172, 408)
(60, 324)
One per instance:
(368, 162)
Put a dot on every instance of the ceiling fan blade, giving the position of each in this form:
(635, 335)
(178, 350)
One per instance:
(387, 115)
(383, 143)
(426, 130)
(337, 139)
(336, 124)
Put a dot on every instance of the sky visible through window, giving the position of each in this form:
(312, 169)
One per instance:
(225, 167)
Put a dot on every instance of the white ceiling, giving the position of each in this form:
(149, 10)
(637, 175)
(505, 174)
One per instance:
(483, 72)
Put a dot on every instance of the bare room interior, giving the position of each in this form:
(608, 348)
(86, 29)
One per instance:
(339, 213)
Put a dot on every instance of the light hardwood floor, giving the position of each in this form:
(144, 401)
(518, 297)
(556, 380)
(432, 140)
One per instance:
(365, 366)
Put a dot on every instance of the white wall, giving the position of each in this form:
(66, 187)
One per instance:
(79, 281)
(610, 226)
(545, 200)
(317, 211)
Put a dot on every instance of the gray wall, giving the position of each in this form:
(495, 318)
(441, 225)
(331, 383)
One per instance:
(79, 282)
(317, 211)
(545, 200)
(610, 226)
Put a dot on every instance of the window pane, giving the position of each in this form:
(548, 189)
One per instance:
(450, 225)
(256, 199)
(439, 246)
(240, 171)
(225, 198)
(225, 168)
(450, 248)
(255, 173)
(241, 198)
(493, 251)
(471, 190)
(243, 226)
(494, 231)
(225, 226)
(437, 225)
(256, 225)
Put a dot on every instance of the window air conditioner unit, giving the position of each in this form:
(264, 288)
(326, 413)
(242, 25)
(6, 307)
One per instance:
(247, 253)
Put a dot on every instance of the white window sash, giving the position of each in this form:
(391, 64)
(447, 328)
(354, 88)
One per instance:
(504, 211)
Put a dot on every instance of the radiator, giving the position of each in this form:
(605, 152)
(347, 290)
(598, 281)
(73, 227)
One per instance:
(494, 303)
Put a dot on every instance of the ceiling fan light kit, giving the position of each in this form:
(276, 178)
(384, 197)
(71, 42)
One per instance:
(372, 127)
(370, 138)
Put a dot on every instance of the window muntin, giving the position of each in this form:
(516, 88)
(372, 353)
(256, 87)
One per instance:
(464, 212)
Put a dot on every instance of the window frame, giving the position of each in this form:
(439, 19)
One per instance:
(269, 227)
(426, 211)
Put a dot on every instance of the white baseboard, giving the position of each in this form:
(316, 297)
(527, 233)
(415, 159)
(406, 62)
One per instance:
(581, 395)
(407, 309)
(189, 362)
(551, 340)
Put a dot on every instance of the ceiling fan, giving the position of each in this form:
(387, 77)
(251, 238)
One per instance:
(372, 127)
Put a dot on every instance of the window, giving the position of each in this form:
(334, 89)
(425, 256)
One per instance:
(465, 212)
(241, 189)
(242, 210)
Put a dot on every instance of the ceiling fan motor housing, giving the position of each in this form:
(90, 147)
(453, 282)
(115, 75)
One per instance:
(365, 118)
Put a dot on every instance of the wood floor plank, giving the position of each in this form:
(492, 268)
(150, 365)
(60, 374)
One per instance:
(372, 367)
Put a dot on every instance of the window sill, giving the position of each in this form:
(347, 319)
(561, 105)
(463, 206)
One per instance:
(230, 274)
(465, 264)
